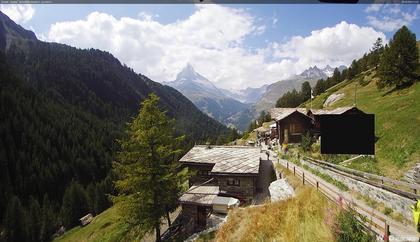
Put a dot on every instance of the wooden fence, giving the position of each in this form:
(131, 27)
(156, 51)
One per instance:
(375, 224)
(391, 185)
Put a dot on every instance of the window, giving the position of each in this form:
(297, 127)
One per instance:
(233, 182)
(292, 128)
(204, 173)
(295, 129)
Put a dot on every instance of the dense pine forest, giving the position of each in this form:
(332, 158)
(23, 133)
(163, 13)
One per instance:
(62, 111)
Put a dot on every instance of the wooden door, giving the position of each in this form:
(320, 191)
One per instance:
(201, 217)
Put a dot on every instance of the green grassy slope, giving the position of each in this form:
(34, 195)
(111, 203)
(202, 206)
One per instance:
(106, 226)
(397, 119)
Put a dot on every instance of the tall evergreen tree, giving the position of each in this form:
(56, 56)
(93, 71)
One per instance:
(15, 221)
(34, 220)
(375, 53)
(400, 60)
(75, 205)
(319, 87)
(146, 175)
(48, 219)
(305, 91)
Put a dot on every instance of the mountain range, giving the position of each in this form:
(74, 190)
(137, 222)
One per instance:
(238, 107)
(276, 90)
(206, 96)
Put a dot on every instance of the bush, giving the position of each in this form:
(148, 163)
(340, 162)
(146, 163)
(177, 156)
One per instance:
(350, 229)
(306, 142)
(388, 211)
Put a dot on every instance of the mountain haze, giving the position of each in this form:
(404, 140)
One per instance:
(277, 89)
(248, 95)
(206, 96)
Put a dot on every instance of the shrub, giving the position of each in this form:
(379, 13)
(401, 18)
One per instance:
(306, 142)
(348, 228)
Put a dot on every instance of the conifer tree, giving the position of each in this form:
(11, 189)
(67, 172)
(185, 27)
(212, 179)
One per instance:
(375, 53)
(34, 220)
(147, 177)
(15, 221)
(400, 60)
(74, 205)
(305, 91)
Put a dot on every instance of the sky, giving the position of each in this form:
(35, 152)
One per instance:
(234, 46)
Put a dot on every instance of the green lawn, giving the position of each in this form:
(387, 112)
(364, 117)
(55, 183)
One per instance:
(107, 226)
(397, 120)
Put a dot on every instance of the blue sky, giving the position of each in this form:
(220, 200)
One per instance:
(235, 46)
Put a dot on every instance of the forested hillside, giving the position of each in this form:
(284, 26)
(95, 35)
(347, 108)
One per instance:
(62, 109)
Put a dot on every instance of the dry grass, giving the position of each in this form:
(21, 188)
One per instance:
(306, 217)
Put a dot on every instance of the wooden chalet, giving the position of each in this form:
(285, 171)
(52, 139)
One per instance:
(315, 114)
(291, 124)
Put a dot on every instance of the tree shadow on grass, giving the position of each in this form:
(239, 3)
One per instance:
(397, 88)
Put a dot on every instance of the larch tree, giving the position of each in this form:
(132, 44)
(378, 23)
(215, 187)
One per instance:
(149, 179)
(400, 60)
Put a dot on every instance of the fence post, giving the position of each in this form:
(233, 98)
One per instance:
(287, 165)
(303, 178)
(415, 191)
(294, 170)
(386, 235)
(317, 185)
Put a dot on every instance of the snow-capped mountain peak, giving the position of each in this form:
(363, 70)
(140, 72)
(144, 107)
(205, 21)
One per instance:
(189, 76)
(317, 73)
(328, 70)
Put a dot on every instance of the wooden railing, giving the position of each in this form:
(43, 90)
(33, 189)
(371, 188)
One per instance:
(375, 224)
(374, 180)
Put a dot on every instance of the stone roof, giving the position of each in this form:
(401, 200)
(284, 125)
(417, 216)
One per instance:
(281, 113)
(262, 129)
(339, 110)
(203, 195)
(226, 159)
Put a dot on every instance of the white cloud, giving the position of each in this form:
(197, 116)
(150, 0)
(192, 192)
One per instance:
(332, 45)
(390, 17)
(20, 13)
(215, 46)
(373, 8)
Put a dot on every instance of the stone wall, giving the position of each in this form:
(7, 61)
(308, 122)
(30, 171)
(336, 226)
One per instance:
(246, 189)
(391, 200)
(413, 175)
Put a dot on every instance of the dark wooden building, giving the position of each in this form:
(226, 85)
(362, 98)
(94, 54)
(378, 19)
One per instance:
(291, 124)
(315, 114)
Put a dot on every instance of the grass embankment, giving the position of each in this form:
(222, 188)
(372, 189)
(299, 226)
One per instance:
(306, 217)
(107, 226)
(252, 136)
(397, 118)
